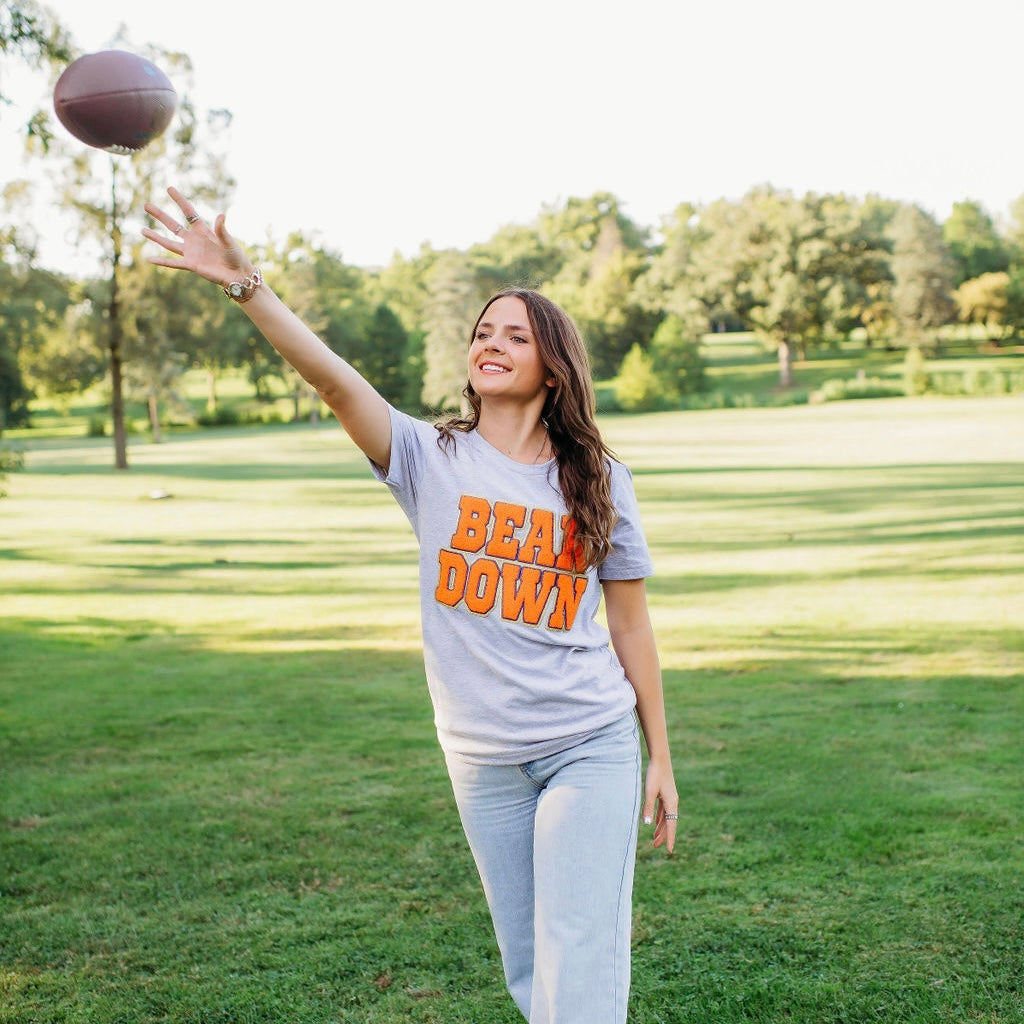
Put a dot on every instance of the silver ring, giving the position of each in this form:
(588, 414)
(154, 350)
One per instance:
(192, 218)
(671, 817)
(177, 230)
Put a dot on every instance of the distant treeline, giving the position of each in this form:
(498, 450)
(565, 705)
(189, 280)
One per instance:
(799, 271)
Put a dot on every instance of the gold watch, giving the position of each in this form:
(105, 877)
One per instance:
(243, 291)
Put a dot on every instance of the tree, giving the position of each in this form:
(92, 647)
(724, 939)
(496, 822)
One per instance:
(669, 285)
(922, 271)
(517, 256)
(676, 359)
(159, 312)
(874, 309)
(1014, 314)
(983, 300)
(637, 387)
(296, 281)
(103, 202)
(33, 303)
(30, 34)
(1015, 232)
(389, 363)
(796, 270)
(974, 244)
(454, 301)
(603, 253)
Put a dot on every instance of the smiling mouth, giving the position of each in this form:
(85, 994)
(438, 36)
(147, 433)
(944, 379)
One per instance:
(493, 368)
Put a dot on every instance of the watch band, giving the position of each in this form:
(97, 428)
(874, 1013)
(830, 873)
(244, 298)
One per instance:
(243, 291)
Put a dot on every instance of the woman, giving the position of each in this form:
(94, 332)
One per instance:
(523, 520)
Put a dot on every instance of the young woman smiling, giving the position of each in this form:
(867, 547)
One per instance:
(525, 520)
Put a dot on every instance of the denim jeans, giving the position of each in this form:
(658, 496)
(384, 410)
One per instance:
(554, 841)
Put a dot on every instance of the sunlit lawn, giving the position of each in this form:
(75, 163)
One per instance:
(221, 799)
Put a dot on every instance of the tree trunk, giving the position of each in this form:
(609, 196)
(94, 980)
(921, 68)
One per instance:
(785, 364)
(114, 327)
(211, 390)
(154, 418)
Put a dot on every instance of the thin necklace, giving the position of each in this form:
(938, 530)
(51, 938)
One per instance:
(543, 445)
(540, 451)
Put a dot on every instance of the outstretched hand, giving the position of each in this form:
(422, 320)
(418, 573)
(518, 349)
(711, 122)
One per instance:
(209, 252)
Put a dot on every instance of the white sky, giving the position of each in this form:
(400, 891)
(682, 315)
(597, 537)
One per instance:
(376, 125)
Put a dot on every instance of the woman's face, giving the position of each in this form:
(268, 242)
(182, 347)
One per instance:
(504, 357)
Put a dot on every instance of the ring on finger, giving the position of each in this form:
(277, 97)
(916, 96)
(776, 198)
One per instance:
(178, 230)
(192, 218)
(671, 817)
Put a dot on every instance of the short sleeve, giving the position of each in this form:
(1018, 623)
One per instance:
(629, 558)
(408, 438)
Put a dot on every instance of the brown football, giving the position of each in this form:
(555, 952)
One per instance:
(114, 100)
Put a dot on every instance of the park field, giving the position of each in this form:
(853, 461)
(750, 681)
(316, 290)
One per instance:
(222, 802)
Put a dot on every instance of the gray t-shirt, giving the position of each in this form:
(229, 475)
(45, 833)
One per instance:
(516, 663)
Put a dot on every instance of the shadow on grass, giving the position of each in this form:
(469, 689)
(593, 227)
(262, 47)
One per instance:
(194, 834)
(845, 844)
(191, 834)
(344, 469)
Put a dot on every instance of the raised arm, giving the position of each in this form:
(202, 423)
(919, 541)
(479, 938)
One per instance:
(633, 639)
(213, 254)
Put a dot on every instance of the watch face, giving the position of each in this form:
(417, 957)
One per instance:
(236, 289)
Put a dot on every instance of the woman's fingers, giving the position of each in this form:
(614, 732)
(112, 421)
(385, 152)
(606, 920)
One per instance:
(665, 827)
(188, 211)
(169, 222)
(170, 244)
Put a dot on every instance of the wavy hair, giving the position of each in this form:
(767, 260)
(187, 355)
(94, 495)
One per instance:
(584, 472)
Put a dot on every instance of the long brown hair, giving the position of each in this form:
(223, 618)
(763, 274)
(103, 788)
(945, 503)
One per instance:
(584, 475)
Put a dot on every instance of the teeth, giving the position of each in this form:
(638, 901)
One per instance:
(493, 366)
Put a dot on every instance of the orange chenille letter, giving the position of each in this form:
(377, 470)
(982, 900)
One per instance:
(507, 517)
(471, 533)
(451, 580)
(570, 557)
(570, 590)
(524, 592)
(539, 546)
(482, 585)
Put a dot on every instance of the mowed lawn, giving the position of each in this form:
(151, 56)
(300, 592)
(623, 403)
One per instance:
(221, 799)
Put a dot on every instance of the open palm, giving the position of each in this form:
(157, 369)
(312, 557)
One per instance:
(209, 252)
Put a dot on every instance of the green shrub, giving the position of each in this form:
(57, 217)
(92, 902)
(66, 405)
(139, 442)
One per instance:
(222, 416)
(677, 360)
(637, 388)
(10, 462)
(915, 374)
(975, 380)
(97, 426)
(838, 390)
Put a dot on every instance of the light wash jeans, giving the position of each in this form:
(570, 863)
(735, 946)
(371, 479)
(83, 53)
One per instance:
(555, 843)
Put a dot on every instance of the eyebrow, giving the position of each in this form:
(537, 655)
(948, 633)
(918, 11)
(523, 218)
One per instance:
(510, 327)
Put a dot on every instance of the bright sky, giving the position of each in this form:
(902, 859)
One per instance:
(377, 125)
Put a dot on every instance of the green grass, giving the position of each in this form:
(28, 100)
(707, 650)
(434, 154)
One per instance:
(221, 799)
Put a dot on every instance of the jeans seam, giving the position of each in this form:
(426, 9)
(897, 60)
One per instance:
(622, 875)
